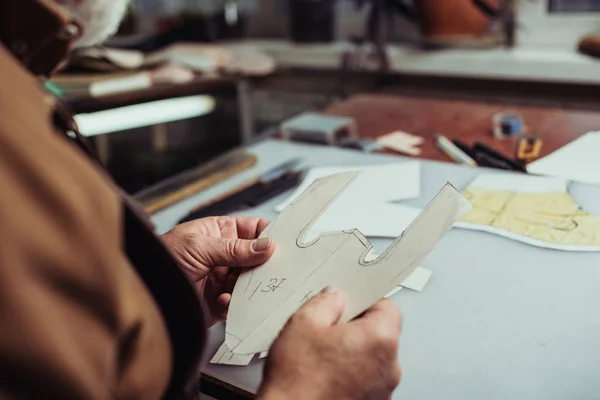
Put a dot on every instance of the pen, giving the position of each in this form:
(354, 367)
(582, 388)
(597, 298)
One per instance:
(483, 159)
(515, 165)
(486, 160)
(452, 151)
(467, 149)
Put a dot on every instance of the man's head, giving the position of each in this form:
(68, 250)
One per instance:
(100, 18)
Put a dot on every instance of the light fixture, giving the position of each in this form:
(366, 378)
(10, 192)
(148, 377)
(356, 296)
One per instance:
(145, 114)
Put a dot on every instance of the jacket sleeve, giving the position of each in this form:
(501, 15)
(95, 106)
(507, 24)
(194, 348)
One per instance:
(59, 306)
(60, 317)
(76, 321)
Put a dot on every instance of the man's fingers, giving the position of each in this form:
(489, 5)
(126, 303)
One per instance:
(250, 227)
(230, 281)
(221, 306)
(236, 252)
(219, 274)
(385, 314)
(324, 309)
(262, 224)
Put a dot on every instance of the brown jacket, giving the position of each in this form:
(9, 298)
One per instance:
(92, 306)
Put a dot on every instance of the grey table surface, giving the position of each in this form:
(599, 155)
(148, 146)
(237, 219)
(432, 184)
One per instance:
(498, 320)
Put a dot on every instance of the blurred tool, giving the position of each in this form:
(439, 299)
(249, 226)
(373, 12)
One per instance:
(508, 125)
(319, 128)
(481, 148)
(251, 194)
(453, 151)
(466, 149)
(191, 182)
(487, 157)
(402, 142)
(528, 149)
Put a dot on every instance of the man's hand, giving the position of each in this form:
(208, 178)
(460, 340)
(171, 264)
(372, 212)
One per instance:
(211, 250)
(313, 358)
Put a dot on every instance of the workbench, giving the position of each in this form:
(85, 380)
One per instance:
(467, 120)
(498, 320)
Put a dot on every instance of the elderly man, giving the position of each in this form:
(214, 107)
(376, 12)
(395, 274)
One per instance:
(92, 304)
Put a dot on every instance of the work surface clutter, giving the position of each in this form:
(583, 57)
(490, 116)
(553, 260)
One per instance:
(521, 235)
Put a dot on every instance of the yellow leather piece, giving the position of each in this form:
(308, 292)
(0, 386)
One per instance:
(552, 217)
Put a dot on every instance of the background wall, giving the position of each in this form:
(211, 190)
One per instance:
(270, 21)
(538, 27)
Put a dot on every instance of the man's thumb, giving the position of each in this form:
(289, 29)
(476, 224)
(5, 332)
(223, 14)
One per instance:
(237, 252)
(324, 309)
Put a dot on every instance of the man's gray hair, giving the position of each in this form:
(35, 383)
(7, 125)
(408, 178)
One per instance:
(100, 18)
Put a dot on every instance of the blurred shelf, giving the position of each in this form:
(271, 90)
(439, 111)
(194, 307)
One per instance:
(556, 65)
(88, 104)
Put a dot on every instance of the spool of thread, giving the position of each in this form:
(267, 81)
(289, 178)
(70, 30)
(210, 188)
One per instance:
(511, 125)
(508, 125)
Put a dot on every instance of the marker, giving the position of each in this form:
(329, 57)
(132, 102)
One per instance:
(456, 154)
(467, 150)
(515, 165)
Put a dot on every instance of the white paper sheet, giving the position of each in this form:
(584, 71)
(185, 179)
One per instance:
(417, 280)
(377, 183)
(578, 161)
(522, 184)
(525, 239)
(386, 220)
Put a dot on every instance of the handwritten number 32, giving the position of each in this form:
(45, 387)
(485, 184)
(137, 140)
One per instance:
(274, 283)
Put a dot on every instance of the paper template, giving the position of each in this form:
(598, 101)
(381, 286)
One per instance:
(393, 291)
(577, 161)
(265, 297)
(225, 356)
(415, 281)
(531, 209)
(377, 183)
